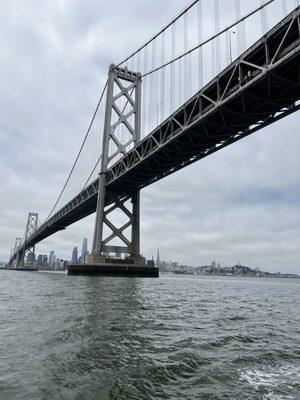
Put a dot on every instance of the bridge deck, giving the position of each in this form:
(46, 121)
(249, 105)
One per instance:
(260, 87)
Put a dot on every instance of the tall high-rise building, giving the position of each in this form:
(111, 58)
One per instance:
(84, 249)
(158, 259)
(40, 260)
(75, 256)
(51, 259)
(45, 260)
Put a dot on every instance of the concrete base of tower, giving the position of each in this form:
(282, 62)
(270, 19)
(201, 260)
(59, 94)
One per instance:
(92, 259)
(25, 269)
(114, 268)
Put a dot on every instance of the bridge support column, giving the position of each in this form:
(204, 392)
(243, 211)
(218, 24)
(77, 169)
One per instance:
(117, 224)
(26, 256)
(15, 256)
(9, 265)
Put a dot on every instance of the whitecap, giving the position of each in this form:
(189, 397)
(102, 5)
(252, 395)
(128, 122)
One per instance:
(278, 382)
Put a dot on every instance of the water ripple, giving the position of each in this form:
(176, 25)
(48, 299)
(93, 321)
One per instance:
(173, 338)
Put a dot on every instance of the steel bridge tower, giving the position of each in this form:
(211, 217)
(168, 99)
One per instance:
(122, 132)
(25, 253)
(17, 252)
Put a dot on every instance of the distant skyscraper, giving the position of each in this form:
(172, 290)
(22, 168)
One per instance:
(51, 259)
(84, 250)
(158, 259)
(75, 256)
(40, 260)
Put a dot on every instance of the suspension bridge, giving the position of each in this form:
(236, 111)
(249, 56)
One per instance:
(218, 72)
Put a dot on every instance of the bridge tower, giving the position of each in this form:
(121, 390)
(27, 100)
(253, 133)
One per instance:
(11, 257)
(122, 131)
(16, 253)
(25, 258)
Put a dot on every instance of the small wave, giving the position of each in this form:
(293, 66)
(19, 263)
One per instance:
(237, 318)
(282, 383)
(226, 340)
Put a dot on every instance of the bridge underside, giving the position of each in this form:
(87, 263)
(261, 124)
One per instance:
(270, 98)
(259, 88)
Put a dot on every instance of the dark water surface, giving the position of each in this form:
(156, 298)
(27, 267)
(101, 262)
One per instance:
(175, 337)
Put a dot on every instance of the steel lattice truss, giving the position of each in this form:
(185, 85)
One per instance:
(259, 88)
(23, 253)
(124, 114)
(28, 252)
(121, 132)
(14, 252)
(118, 232)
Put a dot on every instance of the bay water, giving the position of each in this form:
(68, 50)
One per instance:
(176, 337)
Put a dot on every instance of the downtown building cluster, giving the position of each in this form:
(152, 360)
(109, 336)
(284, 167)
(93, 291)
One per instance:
(54, 263)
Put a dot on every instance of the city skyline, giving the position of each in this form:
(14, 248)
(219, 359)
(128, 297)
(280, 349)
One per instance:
(158, 260)
(44, 262)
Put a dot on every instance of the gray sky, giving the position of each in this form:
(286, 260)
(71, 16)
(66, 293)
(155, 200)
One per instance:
(239, 204)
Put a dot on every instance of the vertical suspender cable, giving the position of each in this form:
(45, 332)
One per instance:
(78, 155)
(264, 18)
(200, 51)
(144, 89)
(213, 51)
(238, 27)
(153, 89)
(191, 50)
(241, 31)
(185, 85)
(284, 6)
(138, 62)
(217, 29)
(172, 91)
(228, 47)
(189, 62)
(162, 83)
(180, 80)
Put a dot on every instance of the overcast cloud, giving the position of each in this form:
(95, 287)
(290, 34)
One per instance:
(240, 204)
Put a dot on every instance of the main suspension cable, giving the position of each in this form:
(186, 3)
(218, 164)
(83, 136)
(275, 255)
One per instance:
(80, 150)
(210, 38)
(160, 32)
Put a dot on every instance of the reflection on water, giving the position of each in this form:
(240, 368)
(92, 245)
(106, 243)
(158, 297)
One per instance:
(176, 337)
